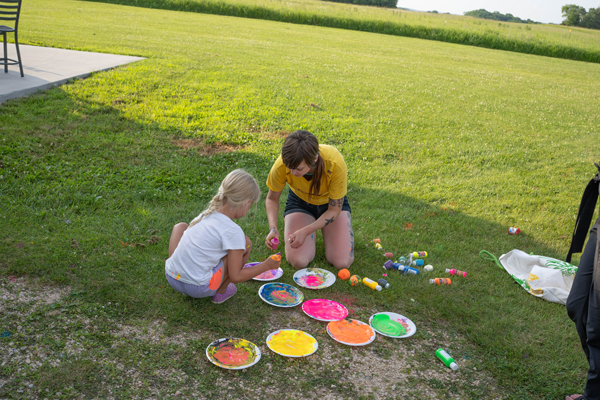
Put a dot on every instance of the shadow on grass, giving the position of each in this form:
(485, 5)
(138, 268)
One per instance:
(89, 198)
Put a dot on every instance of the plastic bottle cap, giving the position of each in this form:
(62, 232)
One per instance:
(453, 366)
(378, 288)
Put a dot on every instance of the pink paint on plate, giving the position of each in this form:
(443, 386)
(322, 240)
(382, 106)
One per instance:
(324, 310)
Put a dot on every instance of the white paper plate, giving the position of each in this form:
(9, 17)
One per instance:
(280, 294)
(266, 276)
(232, 353)
(279, 345)
(347, 337)
(314, 278)
(410, 327)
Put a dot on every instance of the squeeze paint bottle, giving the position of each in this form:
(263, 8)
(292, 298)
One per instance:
(372, 284)
(456, 272)
(407, 270)
(417, 263)
(513, 231)
(389, 255)
(383, 283)
(446, 359)
(402, 260)
(440, 281)
(274, 243)
(389, 264)
(419, 254)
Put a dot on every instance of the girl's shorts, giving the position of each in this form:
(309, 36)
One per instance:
(295, 204)
(208, 290)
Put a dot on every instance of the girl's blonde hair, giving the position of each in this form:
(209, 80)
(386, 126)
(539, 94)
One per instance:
(237, 188)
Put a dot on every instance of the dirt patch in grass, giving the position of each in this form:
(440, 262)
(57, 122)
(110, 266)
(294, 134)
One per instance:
(62, 346)
(206, 149)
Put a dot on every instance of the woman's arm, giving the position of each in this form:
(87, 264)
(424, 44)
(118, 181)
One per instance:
(236, 271)
(297, 238)
(272, 205)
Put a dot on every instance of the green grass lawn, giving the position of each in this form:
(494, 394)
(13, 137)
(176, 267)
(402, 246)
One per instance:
(447, 146)
(540, 39)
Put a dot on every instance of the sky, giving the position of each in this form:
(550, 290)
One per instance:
(547, 11)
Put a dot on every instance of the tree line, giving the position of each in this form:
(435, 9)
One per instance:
(481, 13)
(575, 15)
(376, 3)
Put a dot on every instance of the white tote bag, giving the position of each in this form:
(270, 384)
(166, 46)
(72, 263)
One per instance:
(544, 277)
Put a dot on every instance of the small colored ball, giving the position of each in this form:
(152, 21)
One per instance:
(344, 274)
(355, 280)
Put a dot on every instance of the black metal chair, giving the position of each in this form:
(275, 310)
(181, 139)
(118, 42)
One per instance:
(9, 11)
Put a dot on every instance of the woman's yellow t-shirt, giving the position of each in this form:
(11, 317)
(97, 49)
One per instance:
(334, 182)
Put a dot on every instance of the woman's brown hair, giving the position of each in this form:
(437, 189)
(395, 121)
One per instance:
(303, 146)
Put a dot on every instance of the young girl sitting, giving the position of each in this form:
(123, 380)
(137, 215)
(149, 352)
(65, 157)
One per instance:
(207, 257)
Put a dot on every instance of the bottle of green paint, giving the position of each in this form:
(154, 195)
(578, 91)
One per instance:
(446, 359)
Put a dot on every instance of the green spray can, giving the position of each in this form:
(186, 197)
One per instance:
(446, 359)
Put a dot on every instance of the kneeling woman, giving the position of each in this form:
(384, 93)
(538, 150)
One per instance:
(318, 179)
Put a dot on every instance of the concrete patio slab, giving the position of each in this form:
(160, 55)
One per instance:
(46, 67)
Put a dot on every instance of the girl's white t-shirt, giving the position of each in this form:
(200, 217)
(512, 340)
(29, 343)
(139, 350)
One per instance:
(202, 247)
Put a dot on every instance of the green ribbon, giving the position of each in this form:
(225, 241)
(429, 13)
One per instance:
(486, 255)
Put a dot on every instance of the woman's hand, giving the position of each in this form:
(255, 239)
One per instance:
(296, 239)
(273, 233)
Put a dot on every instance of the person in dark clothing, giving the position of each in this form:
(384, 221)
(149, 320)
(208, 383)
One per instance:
(583, 305)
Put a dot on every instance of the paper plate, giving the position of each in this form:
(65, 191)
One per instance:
(292, 343)
(314, 278)
(389, 327)
(231, 353)
(351, 332)
(324, 310)
(269, 275)
(280, 294)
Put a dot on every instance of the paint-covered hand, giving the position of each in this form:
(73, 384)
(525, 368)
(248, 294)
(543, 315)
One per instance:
(272, 262)
(296, 239)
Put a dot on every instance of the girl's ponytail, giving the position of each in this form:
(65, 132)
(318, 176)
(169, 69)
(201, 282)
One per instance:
(237, 188)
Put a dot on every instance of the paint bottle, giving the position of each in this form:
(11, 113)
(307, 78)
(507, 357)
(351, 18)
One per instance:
(513, 231)
(383, 283)
(446, 359)
(418, 263)
(378, 246)
(456, 272)
(419, 254)
(274, 243)
(402, 260)
(355, 280)
(440, 281)
(371, 284)
(389, 265)
(376, 240)
(407, 270)
(428, 268)
(389, 255)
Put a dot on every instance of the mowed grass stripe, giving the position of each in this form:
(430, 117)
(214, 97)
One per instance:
(545, 40)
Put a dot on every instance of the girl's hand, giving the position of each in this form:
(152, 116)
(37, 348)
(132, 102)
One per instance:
(296, 239)
(273, 233)
(271, 263)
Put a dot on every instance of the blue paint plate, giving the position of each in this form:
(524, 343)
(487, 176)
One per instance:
(280, 294)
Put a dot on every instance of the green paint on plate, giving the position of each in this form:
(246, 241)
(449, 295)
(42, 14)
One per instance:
(385, 325)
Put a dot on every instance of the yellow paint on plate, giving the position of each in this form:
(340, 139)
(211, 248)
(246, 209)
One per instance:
(292, 342)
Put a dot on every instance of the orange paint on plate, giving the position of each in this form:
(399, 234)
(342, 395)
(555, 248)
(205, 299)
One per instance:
(350, 331)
